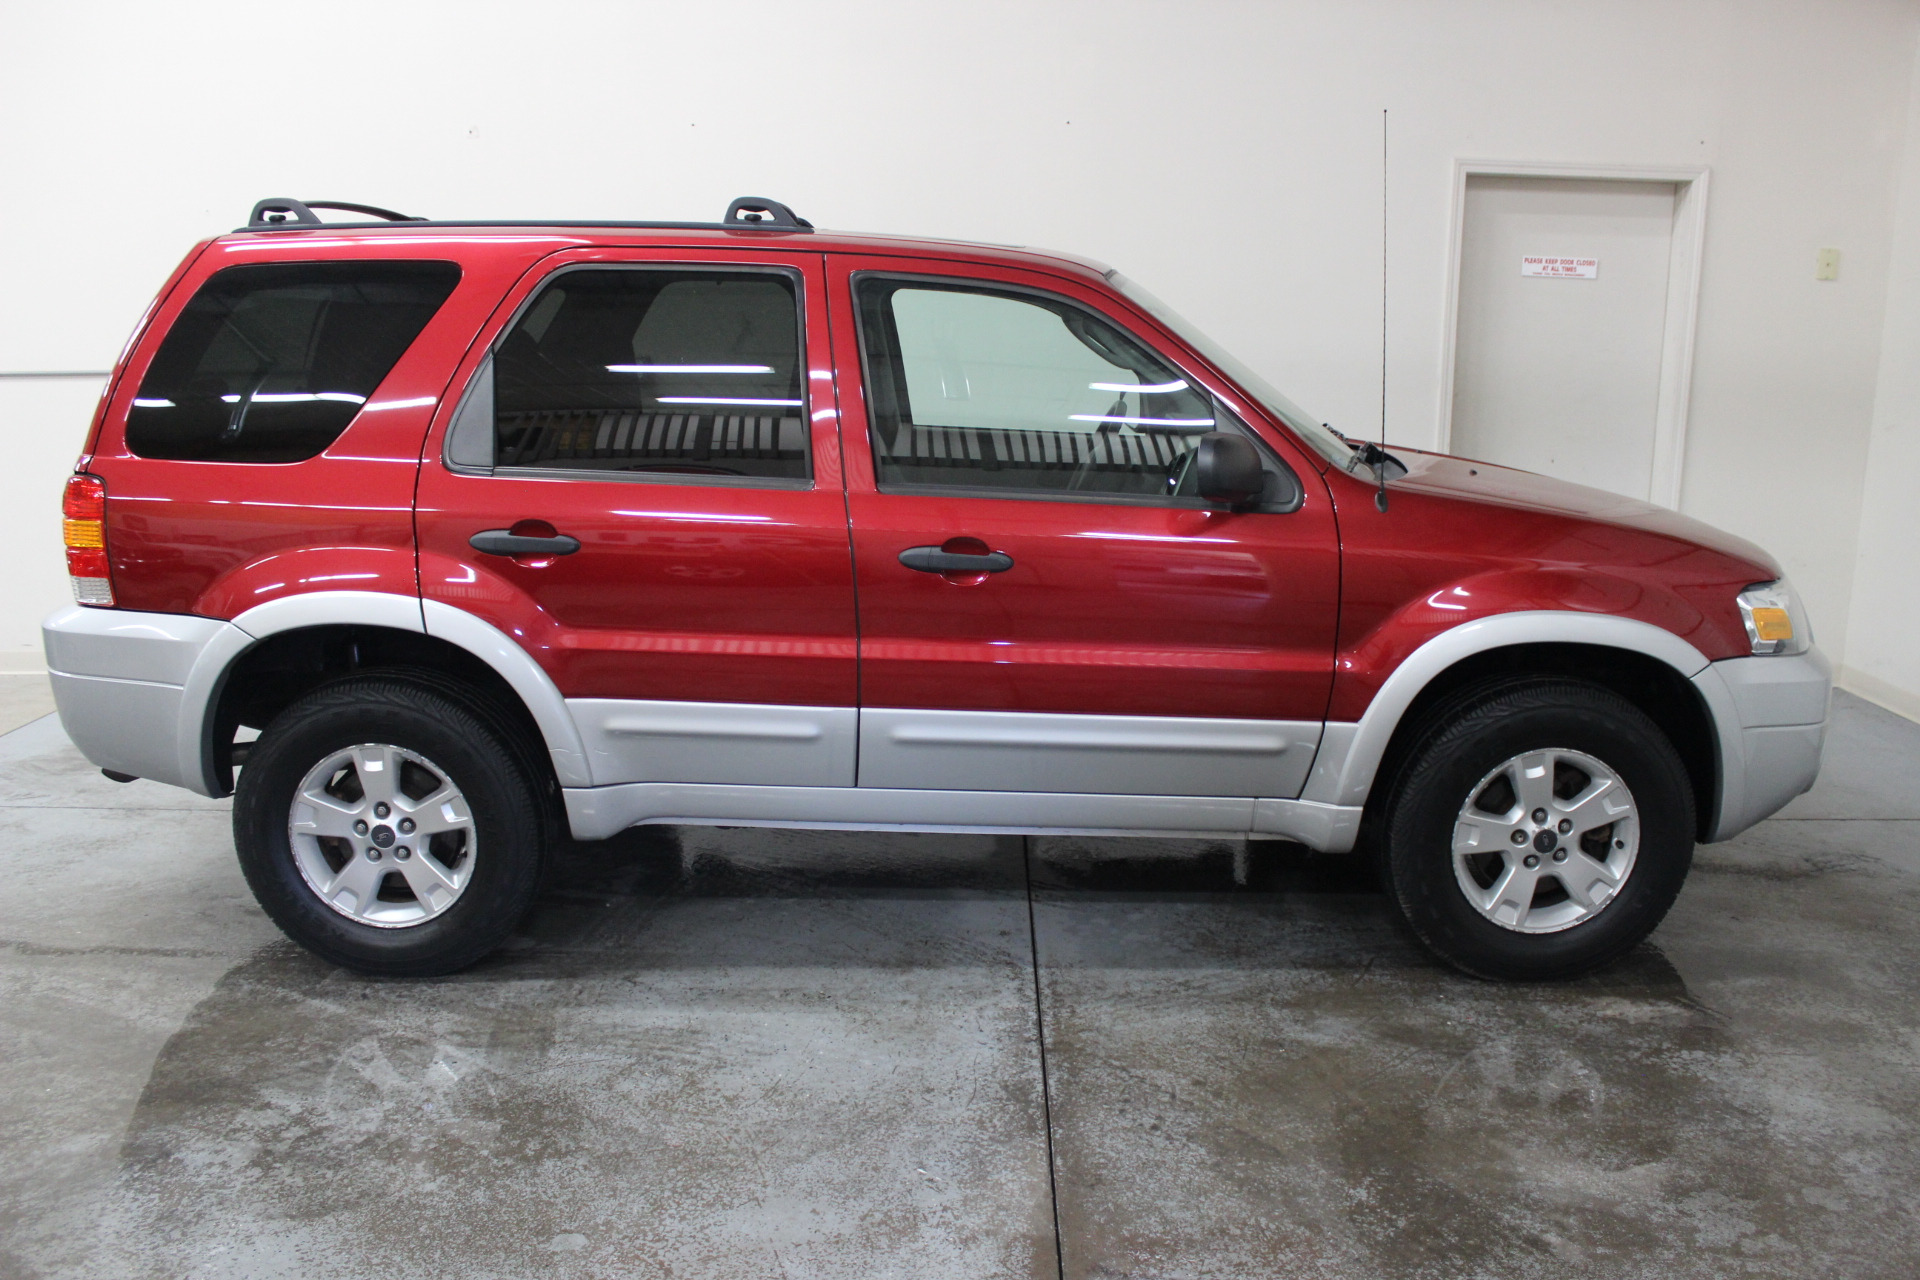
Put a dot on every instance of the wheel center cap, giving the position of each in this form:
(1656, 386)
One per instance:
(383, 836)
(1543, 841)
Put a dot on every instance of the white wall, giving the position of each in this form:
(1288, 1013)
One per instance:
(44, 421)
(1883, 645)
(1224, 154)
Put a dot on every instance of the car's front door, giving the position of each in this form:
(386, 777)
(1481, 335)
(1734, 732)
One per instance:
(1045, 603)
(641, 486)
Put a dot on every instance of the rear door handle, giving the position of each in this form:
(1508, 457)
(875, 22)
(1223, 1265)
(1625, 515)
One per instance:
(934, 560)
(504, 542)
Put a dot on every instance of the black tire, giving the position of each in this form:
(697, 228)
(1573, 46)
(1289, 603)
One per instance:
(508, 818)
(1472, 737)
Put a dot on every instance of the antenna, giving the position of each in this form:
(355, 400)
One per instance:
(1380, 469)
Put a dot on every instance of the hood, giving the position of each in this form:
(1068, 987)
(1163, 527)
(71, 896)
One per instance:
(1443, 475)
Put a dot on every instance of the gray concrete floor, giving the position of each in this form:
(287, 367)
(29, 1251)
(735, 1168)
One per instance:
(736, 1053)
(23, 699)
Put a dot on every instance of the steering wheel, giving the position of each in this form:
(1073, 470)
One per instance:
(1179, 469)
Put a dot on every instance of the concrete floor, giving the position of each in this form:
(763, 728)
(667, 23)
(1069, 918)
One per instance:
(736, 1053)
(23, 699)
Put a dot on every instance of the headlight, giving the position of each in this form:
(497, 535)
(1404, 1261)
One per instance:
(1775, 621)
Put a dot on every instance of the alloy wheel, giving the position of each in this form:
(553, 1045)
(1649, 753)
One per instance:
(1545, 840)
(382, 835)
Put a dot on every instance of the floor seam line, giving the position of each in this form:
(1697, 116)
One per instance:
(1046, 1086)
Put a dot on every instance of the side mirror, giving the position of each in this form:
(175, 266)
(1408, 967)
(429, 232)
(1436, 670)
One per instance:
(1227, 469)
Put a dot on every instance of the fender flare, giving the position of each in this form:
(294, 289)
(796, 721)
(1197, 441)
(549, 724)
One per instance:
(542, 698)
(516, 666)
(1350, 754)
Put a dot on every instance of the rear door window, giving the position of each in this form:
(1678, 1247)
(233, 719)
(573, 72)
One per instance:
(645, 372)
(269, 363)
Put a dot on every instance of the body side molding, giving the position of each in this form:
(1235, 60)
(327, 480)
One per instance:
(1350, 754)
(726, 742)
(1020, 751)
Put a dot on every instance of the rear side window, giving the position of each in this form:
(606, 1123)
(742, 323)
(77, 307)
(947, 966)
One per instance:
(660, 371)
(270, 363)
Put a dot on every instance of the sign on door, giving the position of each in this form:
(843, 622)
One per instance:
(1570, 268)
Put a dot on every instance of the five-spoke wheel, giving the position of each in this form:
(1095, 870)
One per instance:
(382, 835)
(1545, 840)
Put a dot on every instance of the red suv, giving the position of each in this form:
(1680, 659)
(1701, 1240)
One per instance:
(445, 538)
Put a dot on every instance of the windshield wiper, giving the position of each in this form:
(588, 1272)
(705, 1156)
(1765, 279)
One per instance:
(1375, 459)
(1370, 455)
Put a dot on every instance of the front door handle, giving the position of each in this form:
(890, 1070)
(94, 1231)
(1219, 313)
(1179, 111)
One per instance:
(505, 542)
(937, 560)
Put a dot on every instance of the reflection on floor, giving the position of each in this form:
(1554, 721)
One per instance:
(735, 1053)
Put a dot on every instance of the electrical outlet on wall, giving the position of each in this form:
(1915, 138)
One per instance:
(1826, 264)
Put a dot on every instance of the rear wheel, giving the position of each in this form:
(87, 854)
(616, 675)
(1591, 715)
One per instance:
(1539, 830)
(387, 827)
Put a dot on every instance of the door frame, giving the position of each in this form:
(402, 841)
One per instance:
(1683, 297)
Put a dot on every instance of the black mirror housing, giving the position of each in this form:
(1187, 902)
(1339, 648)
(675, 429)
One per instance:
(1227, 469)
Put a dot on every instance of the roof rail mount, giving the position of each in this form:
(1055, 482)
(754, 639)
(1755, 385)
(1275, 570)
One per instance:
(758, 211)
(280, 212)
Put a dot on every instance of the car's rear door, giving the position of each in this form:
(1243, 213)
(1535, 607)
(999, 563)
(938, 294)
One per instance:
(667, 411)
(1112, 633)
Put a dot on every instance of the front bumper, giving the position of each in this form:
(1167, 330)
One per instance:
(133, 689)
(1770, 716)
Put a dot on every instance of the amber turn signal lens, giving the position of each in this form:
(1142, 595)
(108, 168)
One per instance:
(1772, 624)
(83, 533)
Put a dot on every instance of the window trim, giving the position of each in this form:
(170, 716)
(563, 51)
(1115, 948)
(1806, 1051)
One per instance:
(526, 304)
(982, 284)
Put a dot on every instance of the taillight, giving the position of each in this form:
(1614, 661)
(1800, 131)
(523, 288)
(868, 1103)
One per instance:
(84, 507)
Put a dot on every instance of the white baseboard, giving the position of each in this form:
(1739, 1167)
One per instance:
(23, 662)
(1882, 693)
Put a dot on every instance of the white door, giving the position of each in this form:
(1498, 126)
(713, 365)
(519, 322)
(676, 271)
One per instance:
(1562, 324)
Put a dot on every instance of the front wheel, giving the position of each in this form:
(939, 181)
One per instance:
(1539, 830)
(387, 828)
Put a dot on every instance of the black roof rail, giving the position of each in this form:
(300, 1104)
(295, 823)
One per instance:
(280, 212)
(748, 213)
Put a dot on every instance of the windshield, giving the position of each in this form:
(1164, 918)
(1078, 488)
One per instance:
(1309, 428)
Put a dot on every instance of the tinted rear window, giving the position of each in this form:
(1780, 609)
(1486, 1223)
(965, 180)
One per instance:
(270, 363)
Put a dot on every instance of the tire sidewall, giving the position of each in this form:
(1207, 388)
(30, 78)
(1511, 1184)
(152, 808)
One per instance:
(1458, 756)
(506, 824)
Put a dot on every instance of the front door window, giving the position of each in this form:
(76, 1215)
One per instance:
(1016, 394)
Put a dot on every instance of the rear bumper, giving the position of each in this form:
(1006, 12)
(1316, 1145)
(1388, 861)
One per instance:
(1770, 715)
(133, 689)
